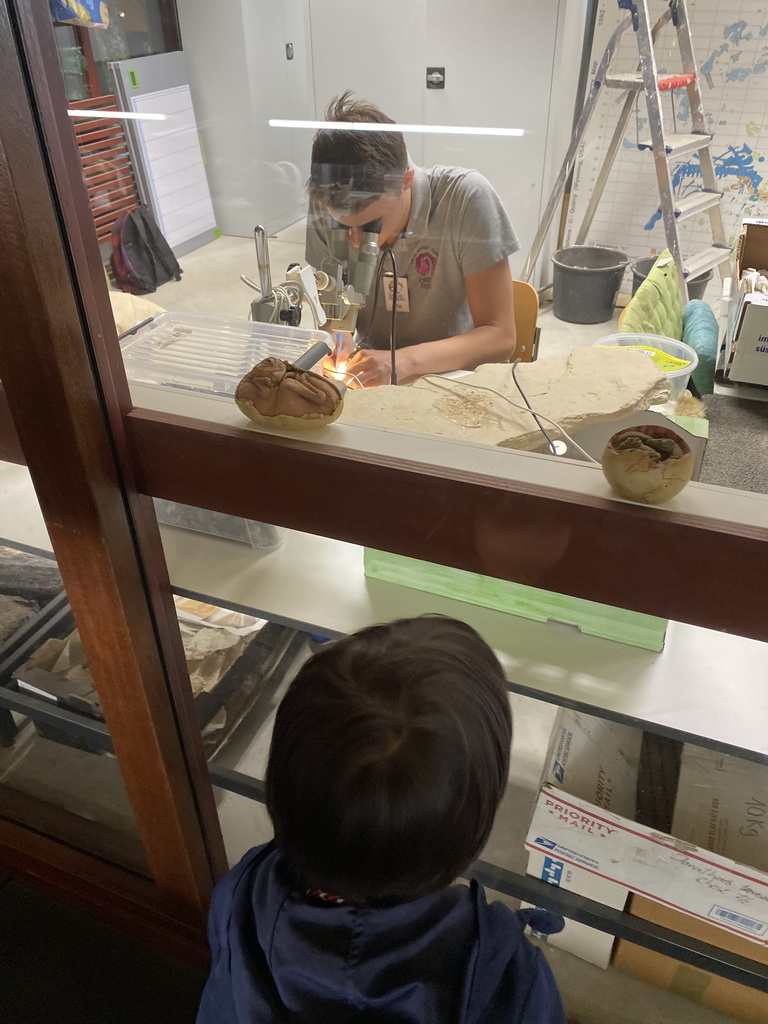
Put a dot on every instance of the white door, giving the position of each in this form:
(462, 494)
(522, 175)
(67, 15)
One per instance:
(280, 81)
(499, 61)
(377, 51)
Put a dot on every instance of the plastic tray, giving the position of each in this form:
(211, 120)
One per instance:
(209, 354)
(260, 536)
(602, 620)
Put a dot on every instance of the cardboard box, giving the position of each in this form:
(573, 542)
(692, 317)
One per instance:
(746, 355)
(752, 246)
(722, 805)
(589, 944)
(599, 761)
(699, 986)
(674, 872)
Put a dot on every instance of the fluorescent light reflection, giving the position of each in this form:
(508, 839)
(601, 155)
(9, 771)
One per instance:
(122, 115)
(365, 126)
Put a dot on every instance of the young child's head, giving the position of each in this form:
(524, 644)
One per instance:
(389, 757)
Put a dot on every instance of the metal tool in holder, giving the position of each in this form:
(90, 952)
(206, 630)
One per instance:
(335, 292)
(667, 147)
(276, 305)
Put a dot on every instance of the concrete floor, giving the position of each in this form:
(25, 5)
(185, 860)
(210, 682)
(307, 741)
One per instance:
(211, 284)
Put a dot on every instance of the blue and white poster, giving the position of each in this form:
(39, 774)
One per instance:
(85, 13)
(731, 47)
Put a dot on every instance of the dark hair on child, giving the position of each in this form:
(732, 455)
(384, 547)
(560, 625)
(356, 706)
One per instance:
(350, 169)
(389, 757)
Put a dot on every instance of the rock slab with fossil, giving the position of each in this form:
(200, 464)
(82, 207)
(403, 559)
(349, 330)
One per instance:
(587, 386)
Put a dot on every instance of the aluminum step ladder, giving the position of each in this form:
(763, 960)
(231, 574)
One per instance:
(667, 148)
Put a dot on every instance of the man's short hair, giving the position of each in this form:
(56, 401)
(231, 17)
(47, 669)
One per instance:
(350, 169)
(389, 757)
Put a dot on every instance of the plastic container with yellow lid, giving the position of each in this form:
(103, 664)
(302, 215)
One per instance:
(675, 358)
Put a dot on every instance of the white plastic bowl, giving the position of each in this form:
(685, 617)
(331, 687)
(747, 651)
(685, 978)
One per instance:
(675, 358)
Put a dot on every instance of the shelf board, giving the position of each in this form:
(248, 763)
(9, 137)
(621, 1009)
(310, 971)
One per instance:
(706, 687)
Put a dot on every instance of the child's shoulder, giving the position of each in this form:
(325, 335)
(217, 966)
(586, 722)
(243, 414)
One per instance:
(238, 884)
(511, 967)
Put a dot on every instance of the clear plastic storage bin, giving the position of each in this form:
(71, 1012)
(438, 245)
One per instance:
(209, 354)
(260, 536)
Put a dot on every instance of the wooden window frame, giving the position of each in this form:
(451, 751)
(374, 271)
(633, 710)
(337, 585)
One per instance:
(57, 316)
(104, 533)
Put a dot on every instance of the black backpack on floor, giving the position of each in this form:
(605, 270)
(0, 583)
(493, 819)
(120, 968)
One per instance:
(141, 258)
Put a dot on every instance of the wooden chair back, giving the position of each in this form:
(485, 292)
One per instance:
(526, 313)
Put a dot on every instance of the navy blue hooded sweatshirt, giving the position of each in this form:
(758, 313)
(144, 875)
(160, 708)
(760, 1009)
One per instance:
(449, 958)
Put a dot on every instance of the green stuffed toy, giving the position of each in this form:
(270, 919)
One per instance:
(656, 307)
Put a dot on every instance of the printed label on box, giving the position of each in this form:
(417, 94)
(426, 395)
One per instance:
(552, 871)
(721, 914)
(588, 943)
(674, 873)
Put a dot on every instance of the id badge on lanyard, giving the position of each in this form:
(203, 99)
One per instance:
(403, 301)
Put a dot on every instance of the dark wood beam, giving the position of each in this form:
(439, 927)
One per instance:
(67, 394)
(656, 561)
(112, 894)
(92, 837)
(10, 446)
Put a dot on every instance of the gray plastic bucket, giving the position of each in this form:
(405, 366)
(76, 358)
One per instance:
(642, 268)
(586, 282)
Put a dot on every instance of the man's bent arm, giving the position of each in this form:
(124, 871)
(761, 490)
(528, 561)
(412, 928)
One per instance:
(492, 340)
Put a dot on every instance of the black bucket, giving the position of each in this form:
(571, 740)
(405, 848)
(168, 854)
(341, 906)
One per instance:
(586, 282)
(642, 268)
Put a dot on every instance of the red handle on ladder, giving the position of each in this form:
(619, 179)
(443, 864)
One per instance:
(676, 82)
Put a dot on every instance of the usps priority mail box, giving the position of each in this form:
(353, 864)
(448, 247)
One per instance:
(589, 944)
(672, 872)
(600, 761)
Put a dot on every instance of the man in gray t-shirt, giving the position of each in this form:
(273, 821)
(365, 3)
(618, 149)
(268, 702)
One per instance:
(450, 236)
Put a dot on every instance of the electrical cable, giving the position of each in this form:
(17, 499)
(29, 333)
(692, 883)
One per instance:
(550, 442)
(447, 385)
(392, 322)
(311, 310)
(384, 252)
(283, 296)
(348, 373)
(376, 281)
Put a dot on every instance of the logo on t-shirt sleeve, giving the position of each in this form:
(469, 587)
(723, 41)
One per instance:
(425, 264)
